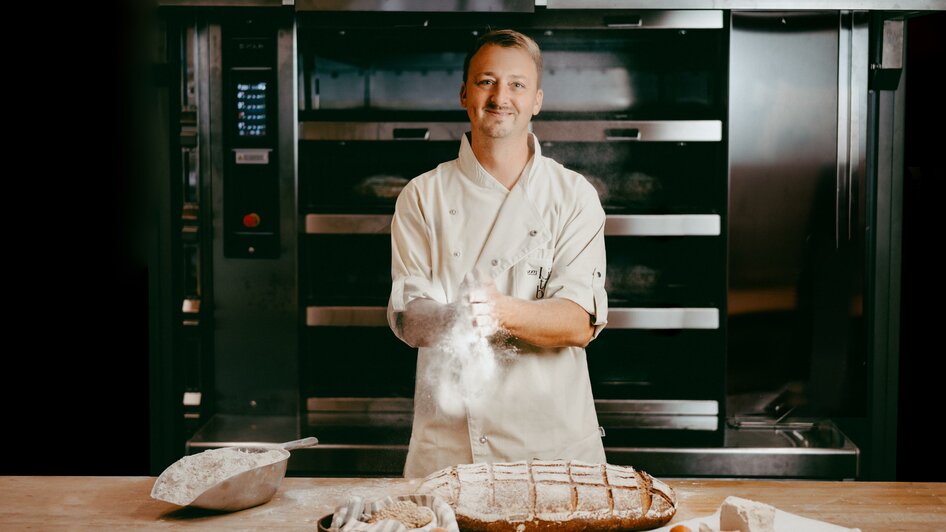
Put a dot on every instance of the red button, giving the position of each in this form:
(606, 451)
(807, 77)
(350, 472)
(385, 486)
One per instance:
(251, 220)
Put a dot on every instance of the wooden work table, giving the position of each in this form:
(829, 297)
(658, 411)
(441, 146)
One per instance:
(119, 503)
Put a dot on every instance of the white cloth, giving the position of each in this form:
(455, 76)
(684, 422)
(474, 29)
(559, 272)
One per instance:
(353, 516)
(549, 229)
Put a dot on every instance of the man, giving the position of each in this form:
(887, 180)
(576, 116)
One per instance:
(532, 229)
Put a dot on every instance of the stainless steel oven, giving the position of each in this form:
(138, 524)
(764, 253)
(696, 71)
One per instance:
(298, 126)
(634, 101)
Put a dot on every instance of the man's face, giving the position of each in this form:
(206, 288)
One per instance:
(501, 93)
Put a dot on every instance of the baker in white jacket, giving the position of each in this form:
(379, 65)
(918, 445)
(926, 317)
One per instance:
(534, 231)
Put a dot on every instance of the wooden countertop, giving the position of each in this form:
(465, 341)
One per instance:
(110, 503)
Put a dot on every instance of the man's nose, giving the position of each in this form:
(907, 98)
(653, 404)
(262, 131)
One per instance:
(501, 94)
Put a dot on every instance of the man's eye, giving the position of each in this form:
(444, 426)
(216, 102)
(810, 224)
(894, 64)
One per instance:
(519, 85)
(486, 82)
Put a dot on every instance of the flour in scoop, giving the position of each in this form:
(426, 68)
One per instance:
(190, 476)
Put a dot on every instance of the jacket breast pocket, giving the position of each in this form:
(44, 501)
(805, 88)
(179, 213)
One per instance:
(532, 275)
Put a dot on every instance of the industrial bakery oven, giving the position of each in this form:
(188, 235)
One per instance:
(742, 158)
(635, 102)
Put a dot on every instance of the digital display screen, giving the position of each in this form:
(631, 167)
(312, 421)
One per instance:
(251, 109)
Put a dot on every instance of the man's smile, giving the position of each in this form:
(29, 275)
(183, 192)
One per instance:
(499, 112)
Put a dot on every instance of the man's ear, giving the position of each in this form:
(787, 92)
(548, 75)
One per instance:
(463, 95)
(538, 102)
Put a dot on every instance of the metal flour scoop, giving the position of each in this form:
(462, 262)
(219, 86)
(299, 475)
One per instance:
(243, 489)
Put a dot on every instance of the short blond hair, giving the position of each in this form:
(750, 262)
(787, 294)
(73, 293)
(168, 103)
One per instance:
(506, 39)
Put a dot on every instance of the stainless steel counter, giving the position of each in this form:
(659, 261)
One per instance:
(795, 448)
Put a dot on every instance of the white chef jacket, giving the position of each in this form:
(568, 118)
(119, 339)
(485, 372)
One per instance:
(458, 218)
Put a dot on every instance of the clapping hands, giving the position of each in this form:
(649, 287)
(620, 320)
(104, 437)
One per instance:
(478, 296)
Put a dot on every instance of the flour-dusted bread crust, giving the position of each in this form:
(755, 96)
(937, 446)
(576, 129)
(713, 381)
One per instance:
(552, 495)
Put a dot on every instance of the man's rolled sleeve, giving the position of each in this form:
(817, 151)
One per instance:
(411, 271)
(579, 262)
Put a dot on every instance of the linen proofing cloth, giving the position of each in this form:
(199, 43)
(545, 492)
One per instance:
(354, 515)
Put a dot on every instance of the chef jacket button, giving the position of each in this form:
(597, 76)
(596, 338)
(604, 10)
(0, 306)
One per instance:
(483, 439)
(494, 262)
(453, 211)
(456, 253)
(533, 232)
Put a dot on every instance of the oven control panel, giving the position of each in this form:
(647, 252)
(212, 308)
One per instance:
(251, 179)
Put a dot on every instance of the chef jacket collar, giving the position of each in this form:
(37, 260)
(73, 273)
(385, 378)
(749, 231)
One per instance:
(475, 171)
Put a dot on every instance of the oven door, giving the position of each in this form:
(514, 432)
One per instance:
(350, 176)
(635, 102)
(658, 369)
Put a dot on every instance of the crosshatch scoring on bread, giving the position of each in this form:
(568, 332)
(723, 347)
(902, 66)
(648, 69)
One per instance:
(552, 495)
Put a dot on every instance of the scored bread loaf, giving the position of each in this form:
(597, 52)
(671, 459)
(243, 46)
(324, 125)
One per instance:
(552, 495)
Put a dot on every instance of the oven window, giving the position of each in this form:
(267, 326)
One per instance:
(364, 176)
(648, 177)
(649, 364)
(371, 70)
(347, 270)
(665, 272)
(357, 362)
(632, 74)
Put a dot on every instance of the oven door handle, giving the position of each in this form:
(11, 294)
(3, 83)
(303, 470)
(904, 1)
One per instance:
(410, 133)
(628, 130)
(621, 135)
(663, 318)
(625, 21)
(662, 225)
(680, 19)
(382, 131)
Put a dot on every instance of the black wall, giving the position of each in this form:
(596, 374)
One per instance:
(74, 385)
(922, 383)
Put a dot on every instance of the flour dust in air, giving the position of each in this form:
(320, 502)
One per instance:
(469, 360)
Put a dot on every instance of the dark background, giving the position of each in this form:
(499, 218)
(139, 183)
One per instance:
(75, 364)
(75, 367)
(922, 383)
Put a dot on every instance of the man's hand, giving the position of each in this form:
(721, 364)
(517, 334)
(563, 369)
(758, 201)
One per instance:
(424, 322)
(544, 323)
(480, 297)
